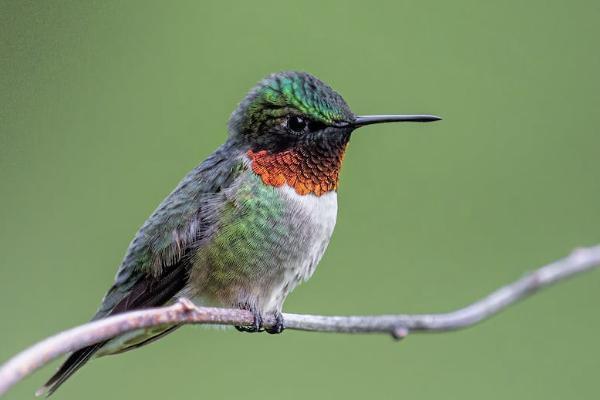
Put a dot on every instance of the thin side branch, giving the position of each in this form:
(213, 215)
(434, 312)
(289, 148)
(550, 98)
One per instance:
(185, 312)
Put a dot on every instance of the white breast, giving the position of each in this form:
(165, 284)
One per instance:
(311, 220)
(315, 216)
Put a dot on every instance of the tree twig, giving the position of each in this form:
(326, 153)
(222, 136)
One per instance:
(185, 312)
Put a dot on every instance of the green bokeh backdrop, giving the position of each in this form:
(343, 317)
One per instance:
(105, 105)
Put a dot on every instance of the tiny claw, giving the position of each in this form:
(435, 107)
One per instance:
(258, 321)
(256, 325)
(278, 326)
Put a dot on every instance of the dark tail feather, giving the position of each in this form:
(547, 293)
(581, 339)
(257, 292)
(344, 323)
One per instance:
(68, 368)
(147, 341)
(147, 292)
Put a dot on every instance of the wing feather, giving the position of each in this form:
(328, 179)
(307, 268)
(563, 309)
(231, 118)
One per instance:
(157, 263)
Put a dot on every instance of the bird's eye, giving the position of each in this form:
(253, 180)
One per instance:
(296, 123)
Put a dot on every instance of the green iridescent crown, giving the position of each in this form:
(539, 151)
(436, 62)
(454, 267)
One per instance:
(285, 92)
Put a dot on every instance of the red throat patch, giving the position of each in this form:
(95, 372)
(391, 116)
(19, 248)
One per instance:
(307, 170)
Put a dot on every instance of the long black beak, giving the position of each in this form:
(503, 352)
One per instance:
(362, 120)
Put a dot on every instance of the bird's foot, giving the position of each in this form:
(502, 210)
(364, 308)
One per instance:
(256, 325)
(278, 326)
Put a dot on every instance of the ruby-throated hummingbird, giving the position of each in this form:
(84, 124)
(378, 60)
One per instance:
(248, 224)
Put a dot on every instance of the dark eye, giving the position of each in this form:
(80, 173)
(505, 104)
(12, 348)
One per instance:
(296, 123)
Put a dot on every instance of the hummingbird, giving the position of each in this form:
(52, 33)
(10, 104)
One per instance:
(249, 223)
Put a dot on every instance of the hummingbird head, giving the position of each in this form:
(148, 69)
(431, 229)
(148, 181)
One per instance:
(287, 108)
(296, 128)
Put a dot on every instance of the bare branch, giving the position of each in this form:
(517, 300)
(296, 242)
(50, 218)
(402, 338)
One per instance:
(399, 326)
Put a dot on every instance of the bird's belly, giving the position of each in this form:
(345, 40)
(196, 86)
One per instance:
(269, 240)
(311, 220)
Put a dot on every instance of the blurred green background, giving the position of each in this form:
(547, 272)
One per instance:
(105, 105)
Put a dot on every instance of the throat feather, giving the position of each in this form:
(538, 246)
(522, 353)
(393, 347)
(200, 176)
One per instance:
(307, 169)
